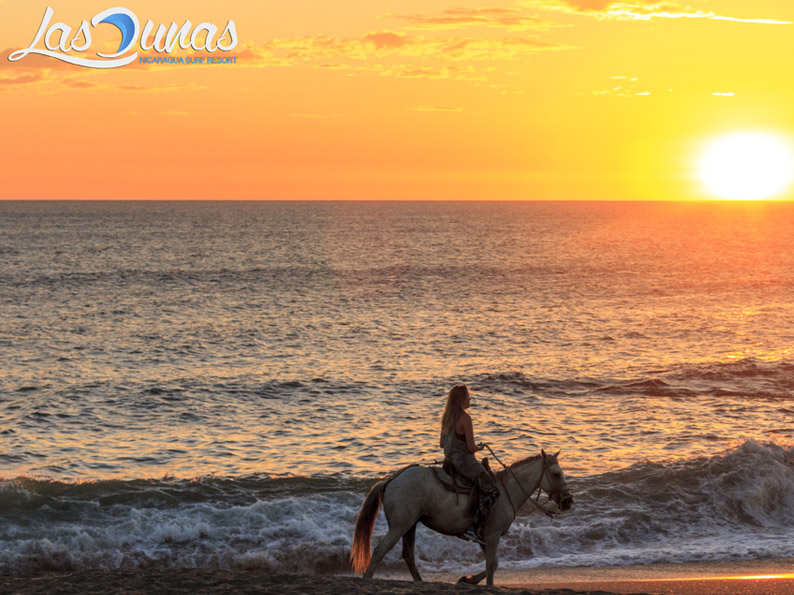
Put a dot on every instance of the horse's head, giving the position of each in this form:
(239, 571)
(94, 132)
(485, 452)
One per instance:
(553, 482)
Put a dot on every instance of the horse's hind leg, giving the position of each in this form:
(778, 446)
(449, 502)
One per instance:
(389, 541)
(409, 539)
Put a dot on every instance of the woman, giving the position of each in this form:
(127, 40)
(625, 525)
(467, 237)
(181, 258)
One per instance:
(457, 440)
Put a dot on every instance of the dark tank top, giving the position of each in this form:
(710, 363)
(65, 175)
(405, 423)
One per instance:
(456, 450)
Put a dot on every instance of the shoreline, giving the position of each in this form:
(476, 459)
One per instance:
(758, 577)
(748, 577)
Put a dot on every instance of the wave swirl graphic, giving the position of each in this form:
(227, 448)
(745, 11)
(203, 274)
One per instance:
(125, 21)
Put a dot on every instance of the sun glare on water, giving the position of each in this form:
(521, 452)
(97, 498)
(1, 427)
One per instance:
(746, 166)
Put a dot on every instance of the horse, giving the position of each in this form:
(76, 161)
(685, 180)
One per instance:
(415, 495)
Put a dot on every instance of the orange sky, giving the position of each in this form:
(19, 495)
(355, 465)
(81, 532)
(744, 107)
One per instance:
(388, 99)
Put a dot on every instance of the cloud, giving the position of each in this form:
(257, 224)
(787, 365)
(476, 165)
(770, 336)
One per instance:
(384, 52)
(463, 73)
(589, 5)
(414, 71)
(459, 18)
(758, 21)
(643, 10)
(33, 62)
(18, 77)
(434, 108)
(317, 116)
(40, 75)
(394, 54)
(80, 84)
(624, 86)
(159, 89)
(335, 52)
(385, 39)
(23, 79)
(480, 49)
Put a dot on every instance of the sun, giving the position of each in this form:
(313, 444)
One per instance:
(746, 166)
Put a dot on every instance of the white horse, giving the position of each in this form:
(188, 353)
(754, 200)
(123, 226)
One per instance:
(414, 495)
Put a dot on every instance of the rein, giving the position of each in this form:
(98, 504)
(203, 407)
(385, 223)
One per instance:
(549, 513)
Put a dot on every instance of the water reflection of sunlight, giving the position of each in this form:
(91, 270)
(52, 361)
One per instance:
(730, 578)
(764, 576)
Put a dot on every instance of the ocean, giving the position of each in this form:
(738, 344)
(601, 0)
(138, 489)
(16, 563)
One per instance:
(213, 384)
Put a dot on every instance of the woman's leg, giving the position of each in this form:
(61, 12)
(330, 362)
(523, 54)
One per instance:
(488, 495)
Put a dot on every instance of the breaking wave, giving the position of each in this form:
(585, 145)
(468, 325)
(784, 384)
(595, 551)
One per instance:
(735, 505)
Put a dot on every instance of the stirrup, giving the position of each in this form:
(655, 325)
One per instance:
(471, 535)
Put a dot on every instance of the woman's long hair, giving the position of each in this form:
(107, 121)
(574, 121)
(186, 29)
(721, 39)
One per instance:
(454, 407)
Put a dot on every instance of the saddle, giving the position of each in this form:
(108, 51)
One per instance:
(453, 481)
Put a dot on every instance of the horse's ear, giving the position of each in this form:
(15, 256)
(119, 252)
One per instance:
(558, 454)
(543, 454)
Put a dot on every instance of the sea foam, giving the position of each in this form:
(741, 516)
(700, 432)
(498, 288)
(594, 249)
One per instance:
(732, 506)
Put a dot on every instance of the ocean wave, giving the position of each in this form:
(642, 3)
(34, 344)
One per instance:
(735, 505)
(748, 378)
(652, 387)
(272, 523)
(520, 383)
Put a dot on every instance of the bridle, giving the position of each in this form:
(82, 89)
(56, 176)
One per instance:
(544, 473)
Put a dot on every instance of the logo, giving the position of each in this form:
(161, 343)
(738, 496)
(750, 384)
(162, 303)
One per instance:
(60, 43)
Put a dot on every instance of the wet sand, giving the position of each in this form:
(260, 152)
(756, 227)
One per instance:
(188, 581)
(702, 578)
(740, 578)
(759, 577)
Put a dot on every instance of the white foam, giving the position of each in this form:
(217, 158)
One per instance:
(734, 506)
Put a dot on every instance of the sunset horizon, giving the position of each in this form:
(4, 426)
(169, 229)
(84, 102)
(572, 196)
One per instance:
(521, 100)
(307, 296)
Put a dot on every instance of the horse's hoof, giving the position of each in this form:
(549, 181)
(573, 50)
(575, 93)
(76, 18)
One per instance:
(466, 580)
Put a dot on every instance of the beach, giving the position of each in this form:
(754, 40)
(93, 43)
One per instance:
(226, 399)
(752, 577)
(758, 577)
(207, 581)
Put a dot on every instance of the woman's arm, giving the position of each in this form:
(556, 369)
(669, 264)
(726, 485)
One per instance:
(468, 430)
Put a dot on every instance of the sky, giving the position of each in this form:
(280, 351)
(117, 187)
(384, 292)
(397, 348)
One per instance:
(395, 99)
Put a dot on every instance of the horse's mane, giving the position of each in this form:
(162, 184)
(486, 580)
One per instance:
(519, 463)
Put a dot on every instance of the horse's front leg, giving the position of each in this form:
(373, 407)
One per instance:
(490, 560)
(475, 578)
(472, 580)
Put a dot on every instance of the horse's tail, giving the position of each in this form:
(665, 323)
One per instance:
(365, 523)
